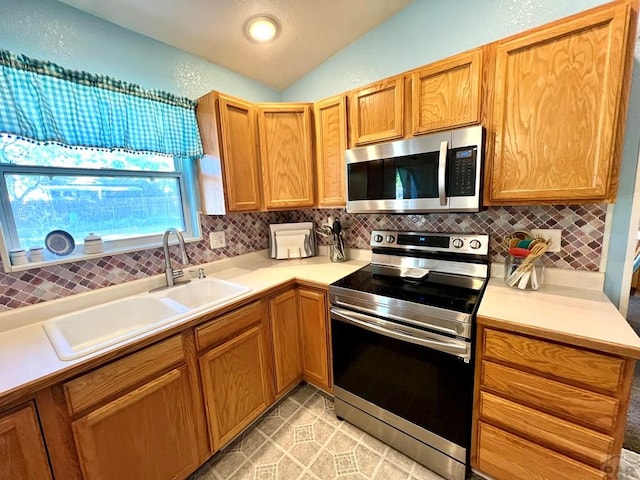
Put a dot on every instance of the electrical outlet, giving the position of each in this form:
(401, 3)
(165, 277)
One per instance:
(553, 236)
(217, 240)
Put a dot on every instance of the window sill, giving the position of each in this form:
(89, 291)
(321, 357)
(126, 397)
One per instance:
(111, 248)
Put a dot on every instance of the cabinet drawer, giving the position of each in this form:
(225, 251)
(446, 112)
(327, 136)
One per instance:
(502, 455)
(229, 325)
(567, 363)
(92, 388)
(566, 437)
(589, 408)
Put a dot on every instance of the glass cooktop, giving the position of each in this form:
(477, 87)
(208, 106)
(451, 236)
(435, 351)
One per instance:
(447, 291)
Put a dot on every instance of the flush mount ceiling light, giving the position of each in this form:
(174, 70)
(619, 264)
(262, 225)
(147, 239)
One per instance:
(262, 29)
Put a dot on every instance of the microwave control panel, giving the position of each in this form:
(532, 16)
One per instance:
(462, 172)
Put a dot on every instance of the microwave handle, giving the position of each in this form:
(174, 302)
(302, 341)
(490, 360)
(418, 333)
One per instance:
(442, 172)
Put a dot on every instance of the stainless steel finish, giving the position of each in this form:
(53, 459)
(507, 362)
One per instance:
(459, 348)
(201, 273)
(442, 173)
(411, 313)
(463, 137)
(447, 459)
(402, 148)
(443, 266)
(170, 274)
(441, 329)
(379, 239)
(445, 446)
(422, 205)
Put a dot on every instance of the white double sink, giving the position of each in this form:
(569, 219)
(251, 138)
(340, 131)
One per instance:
(76, 334)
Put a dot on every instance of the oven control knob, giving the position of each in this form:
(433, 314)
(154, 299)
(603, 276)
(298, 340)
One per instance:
(475, 244)
(391, 239)
(457, 243)
(377, 238)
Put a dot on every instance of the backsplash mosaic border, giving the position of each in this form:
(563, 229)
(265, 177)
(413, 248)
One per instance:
(582, 225)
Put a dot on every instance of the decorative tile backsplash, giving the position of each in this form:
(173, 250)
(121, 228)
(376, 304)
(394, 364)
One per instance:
(582, 225)
(582, 228)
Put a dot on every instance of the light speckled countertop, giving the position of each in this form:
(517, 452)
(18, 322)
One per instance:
(28, 360)
(580, 316)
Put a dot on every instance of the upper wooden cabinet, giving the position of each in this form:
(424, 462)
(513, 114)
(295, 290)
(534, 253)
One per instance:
(239, 151)
(228, 130)
(559, 109)
(446, 94)
(22, 453)
(331, 141)
(376, 112)
(286, 155)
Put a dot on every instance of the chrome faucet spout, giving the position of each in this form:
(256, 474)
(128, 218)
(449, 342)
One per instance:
(169, 272)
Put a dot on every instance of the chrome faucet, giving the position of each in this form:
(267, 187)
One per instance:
(169, 272)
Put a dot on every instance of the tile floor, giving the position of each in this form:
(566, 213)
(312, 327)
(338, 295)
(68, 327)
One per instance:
(300, 438)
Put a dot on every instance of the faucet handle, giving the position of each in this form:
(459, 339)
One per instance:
(178, 273)
(201, 273)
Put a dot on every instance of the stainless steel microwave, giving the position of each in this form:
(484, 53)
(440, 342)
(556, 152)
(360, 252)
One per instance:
(439, 172)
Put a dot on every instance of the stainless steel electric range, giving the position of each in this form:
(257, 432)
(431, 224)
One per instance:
(402, 336)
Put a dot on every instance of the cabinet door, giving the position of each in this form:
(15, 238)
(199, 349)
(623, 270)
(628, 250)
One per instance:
(331, 142)
(446, 94)
(313, 325)
(559, 94)
(22, 453)
(376, 112)
(148, 433)
(236, 384)
(239, 153)
(286, 340)
(286, 155)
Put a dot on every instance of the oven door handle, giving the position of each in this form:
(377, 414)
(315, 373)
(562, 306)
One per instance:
(442, 172)
(387, 329)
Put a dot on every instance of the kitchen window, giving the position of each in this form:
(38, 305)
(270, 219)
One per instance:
(129, 199)
(86, 153)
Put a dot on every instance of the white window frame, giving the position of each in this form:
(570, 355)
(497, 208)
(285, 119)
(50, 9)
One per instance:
(185, 173)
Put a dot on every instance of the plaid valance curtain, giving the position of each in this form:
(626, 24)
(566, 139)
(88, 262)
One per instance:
(47, 103)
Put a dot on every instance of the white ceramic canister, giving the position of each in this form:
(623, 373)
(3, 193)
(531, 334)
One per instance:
(93, 243)
(36, 254)
(18, 256)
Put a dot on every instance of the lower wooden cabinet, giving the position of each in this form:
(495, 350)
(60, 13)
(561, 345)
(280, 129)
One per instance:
(315, 337)
(158, 413)
(505, 456)
(546, 410)
(286, 340)
(236, 373)
(147, 433)
(22, 452)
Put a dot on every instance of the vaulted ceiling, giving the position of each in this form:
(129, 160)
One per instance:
(311, 30)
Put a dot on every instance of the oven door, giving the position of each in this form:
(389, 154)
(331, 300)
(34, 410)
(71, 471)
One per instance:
(389, 369)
